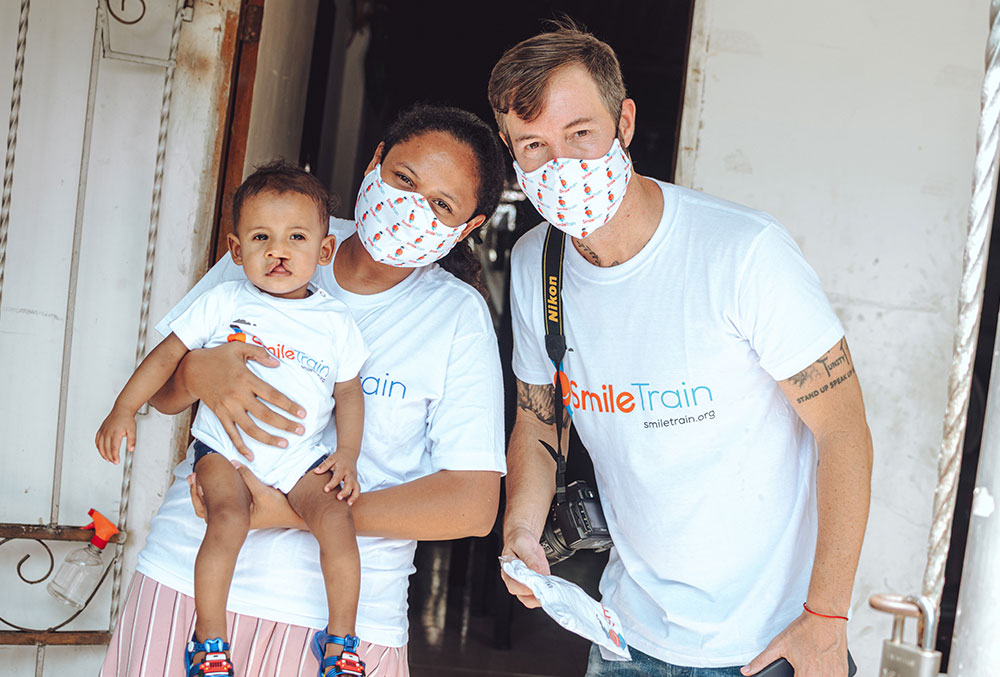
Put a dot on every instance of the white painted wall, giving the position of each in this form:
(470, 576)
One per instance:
(111, 257)
(854, 123)
(279, 93)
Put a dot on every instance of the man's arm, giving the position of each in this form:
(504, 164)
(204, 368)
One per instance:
(827, 397)
(530, 480)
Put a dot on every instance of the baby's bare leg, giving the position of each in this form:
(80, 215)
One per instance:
(330, 521)
(227, 507)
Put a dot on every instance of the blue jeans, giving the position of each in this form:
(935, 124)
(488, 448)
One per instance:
(647, 666)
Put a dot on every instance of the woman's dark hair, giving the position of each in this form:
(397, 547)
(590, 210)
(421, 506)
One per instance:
(468, 129)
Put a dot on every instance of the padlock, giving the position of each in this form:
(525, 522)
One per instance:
(900, 659)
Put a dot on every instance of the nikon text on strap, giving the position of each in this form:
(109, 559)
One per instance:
(555, 341)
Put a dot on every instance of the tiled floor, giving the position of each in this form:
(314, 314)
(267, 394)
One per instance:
(453, 625)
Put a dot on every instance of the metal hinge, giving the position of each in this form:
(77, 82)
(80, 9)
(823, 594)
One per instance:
(250, 22)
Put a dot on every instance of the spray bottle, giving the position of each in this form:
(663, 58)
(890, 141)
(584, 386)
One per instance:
(79, 574)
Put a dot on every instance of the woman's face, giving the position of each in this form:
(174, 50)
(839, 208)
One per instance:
(439, 167)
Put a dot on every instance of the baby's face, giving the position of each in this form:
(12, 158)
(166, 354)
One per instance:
(279, 241)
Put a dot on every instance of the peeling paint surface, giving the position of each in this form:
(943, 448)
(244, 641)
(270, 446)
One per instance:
(983, 504)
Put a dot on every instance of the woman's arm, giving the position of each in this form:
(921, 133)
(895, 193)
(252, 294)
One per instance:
(444, 505)
(441, 506)
(219, 378)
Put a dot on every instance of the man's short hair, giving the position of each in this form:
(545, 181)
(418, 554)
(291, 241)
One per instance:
(281, 176)
(520, 79)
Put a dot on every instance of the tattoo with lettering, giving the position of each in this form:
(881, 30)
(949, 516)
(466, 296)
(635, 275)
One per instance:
(537, 400)
(822, 372)
(592, 255)
(587, 251)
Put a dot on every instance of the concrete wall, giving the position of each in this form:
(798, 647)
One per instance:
(95, 216)
(854, 123)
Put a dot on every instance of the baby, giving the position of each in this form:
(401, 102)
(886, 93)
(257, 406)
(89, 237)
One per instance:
(281, 215)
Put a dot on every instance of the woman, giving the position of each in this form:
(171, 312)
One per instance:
(432, 453)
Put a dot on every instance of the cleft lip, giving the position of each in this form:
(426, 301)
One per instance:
(279, 269)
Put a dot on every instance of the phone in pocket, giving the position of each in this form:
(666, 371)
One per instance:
(782, 668)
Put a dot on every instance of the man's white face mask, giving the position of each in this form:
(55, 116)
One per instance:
(578, 196)
(399, 228)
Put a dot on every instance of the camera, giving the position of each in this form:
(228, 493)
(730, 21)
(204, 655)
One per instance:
(575, 523)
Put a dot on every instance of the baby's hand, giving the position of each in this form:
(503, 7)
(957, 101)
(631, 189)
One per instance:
(344, 469)
(117, 425)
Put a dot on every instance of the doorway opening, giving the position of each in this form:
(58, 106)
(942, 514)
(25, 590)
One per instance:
(370, 61)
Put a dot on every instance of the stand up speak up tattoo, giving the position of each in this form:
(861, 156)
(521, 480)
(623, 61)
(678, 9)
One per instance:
(826, 373)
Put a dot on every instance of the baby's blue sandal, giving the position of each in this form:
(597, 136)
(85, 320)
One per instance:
(347, 663)
(214, 664)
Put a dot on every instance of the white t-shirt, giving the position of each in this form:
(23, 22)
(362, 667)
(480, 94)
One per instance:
(433, 401)
(317, 344)
(706, 474)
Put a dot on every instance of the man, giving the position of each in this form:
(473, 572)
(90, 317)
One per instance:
(707, 376)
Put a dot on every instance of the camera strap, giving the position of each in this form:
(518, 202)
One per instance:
(555, 341)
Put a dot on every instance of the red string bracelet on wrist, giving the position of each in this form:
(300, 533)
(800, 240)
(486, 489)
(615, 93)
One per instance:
(804, 606)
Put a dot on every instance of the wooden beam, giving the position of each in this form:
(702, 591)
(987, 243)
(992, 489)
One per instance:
(51, 532)
(75, 638)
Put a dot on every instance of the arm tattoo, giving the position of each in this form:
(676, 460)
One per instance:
(803, 376)
(537, 400)
(822, 375)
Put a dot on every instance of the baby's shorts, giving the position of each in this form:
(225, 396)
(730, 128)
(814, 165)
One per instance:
(201, 450)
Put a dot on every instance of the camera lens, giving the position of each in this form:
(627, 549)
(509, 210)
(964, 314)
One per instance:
(553, 543)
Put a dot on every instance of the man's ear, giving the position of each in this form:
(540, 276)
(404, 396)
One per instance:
(505, 140)
(326, 249)
(234, 248)
(626, 123)
(473, 223)
(376, 158)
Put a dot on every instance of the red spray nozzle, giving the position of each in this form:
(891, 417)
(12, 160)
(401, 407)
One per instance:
(104, 530)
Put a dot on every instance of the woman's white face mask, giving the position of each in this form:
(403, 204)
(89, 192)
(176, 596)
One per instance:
(399, 228)
(578, 196)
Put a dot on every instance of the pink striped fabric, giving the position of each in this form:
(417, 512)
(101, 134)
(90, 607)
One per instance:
(156, 623)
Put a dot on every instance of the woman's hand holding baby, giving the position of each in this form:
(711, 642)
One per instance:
(269, 508)
(219, 378)
(119, 423)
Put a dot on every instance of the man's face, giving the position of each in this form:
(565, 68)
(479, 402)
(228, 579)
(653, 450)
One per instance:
(573, 123)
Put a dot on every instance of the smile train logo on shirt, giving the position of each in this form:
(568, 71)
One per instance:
(383, 387)
(282, 352)
(636, 396)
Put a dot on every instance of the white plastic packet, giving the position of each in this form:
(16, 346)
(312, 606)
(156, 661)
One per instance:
(571, 607)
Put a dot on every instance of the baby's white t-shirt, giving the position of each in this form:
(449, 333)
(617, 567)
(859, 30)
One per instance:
(316, 343)
(706, 473)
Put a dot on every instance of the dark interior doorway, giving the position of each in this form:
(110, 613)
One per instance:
(391, 54)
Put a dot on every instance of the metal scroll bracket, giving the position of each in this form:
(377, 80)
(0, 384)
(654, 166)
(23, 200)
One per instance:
(25, 636)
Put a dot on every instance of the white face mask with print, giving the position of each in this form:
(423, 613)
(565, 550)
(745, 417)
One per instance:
(399, 228)
(578, 196)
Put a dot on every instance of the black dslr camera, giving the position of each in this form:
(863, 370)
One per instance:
(576, 519)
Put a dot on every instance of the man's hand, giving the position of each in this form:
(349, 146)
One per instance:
(521, 544)
(219, 378)
(816, 647)
(344, 469)
(269, 508)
